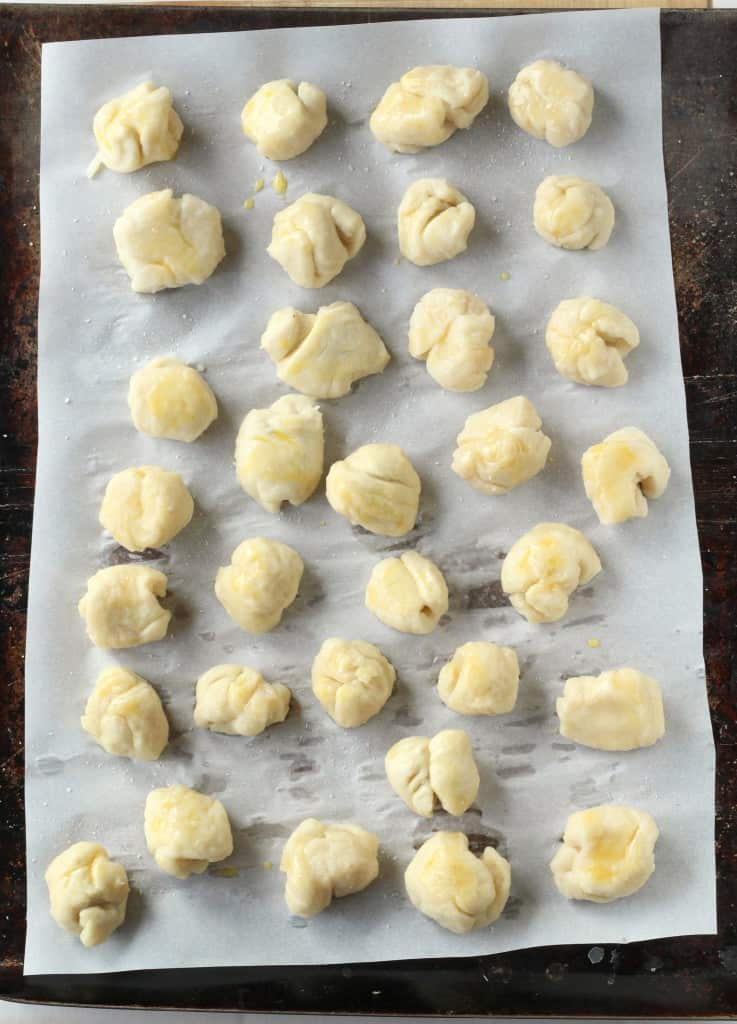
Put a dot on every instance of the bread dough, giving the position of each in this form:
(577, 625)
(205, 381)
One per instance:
(261, 581)
(480, 679)
(376, 487)
(121, 609)
(138, 128)
(434, 221)
(352, 680)
(422, 771)
(165, 242)
(88, 892)
(544, 567)
(324, 861)
(451, 329)
(314, 238)
(447, 883)
(621, 472)
(408, 593)
(427, 105)
(607, 853)
(279, 452)
(501, 447)
(186, 831)
(323, 354)
(572, 213)
(284, 119)
(238, 701)
(171, 400)
(589, 341)
(621, 709)
(125, 716)
(551, 102)
(145, 507)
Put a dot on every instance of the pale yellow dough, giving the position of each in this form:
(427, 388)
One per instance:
(284, 119)
(408, 593)
(88, 892)
(145, 507)
(238, 701)
(376, 487)
(589, 341)
(169, 399)
(138, 128)
(314, 238)
(125, 716)
(261, 581)
(352, 680)
(121, 607)
(572, 213)
(186, 831)
(621, 709)
(451, 329)
(480, 679)
(621, 472)
(425, 771)
(434, 221)
(551, 102)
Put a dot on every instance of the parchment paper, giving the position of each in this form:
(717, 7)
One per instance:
(644, 608)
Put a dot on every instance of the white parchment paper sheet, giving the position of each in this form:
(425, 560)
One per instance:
(645, 607)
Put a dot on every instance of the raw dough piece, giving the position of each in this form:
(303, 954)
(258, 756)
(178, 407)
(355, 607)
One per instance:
(261, 581)
(284, 119)
(480, 679)
(422, 771)
(544, 567)
(125, 715)
(324, 861)
(169, 399)
(408, 593)
(138, 128)
(185, 830)
(323, 354)
(446, 882)
(573, 213)
(121, 609)
(88, 892)
(434, 221)
(165, 242)
(589, 341)
(352, 680)
(621, 472)
(314, 238)
(145, 507)
(608, 852)
(621, 709)
(238, 701)
(451, 329)
(376, 487)
(501, 447)
(551, 102)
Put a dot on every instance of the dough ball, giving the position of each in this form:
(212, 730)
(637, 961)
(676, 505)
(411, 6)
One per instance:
(121, 607)
(138, 128)
(501, 447)
(621, 472)
(145, 507)
(434, 221)
(621, 709)
(572, 213)
(325, 861)
(314, 238)
(352, 680)
(460, 891)
(451, 330)
(185, 830)
(171, 400)
(376, 487)
(88, 892)
(608, 852)
(261, 581)
(323, 354)
(589, 341)
(165, 242)
(408, 593)
(427, 105)
(480, 679)
(125, 716)
(423, 771)
(238, 701)
(284, 119)
(279, 452)
(551, 102)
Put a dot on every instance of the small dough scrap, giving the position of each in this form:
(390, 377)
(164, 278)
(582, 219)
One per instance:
(323, 862)
(185, 830)
(165, 242)
(551, 102)
(427, 105)
(88, 892)
(621, 472)
(501, 447)
(145, 507)
(125, 716)
(608, 852)
(169, 399)
(408, 593)
(480, 679)
(138, 128)
(314, 238)
(238, 701)
(423, 771)
(352, 680)
(572, 213)
(375, 487)
(323, 354)
(589, 341)
(621, 709)
(261, 581)
(458, 890)
(434, 221)
(451, 329)
(284, 119)
(279, 452)
(121, 609)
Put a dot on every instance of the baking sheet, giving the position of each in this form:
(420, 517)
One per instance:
(644, 608)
